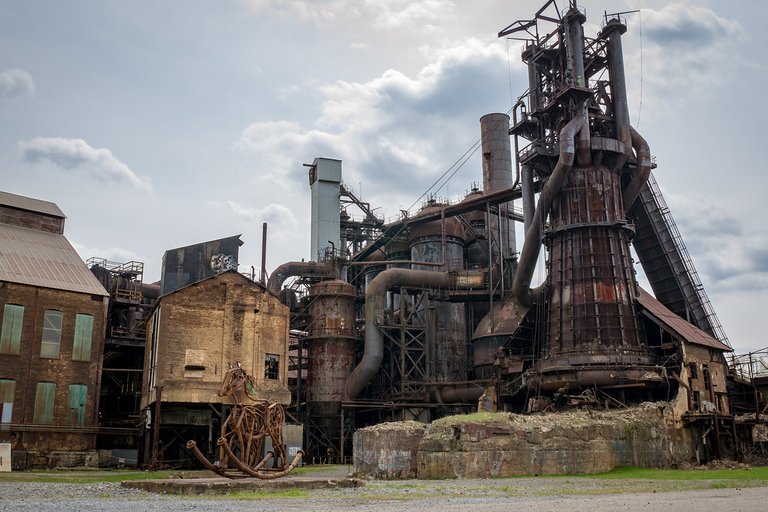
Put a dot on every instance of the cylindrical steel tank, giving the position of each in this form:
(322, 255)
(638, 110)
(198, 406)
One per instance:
(443, 242)
(476, 256)
(497, 175)
(593, 328)
(331, 344)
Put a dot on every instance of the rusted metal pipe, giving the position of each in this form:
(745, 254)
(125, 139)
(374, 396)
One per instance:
(521, 287)
(375, 302)
(295, 268)
(461, 393)
(642, 170)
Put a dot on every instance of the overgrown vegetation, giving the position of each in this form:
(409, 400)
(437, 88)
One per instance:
(476, 417)
(752, 473)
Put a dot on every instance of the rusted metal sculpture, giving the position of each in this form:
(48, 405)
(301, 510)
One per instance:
(244, 431)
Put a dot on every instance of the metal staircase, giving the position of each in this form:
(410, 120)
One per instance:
(668, 265)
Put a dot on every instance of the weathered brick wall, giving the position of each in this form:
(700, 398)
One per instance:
(206, 326)
(28, 368)
(712, 389)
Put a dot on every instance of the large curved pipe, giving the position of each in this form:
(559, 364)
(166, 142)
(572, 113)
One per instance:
(375, 302)
(294, 268)
(642, 171)
(521, 287)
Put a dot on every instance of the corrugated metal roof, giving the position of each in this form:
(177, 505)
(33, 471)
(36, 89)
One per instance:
(30, 204)
(677, 325)
(48, 260)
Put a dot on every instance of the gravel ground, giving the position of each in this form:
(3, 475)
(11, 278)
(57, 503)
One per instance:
(573, 495)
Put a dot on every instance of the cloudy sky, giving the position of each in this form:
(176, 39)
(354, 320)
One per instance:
(155, 125)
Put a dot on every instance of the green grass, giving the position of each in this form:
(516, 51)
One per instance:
(267, 495)
(753, 473)
(479, 417)
(83, 477)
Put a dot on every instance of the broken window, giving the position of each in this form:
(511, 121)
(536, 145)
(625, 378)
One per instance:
(7, 391)
(693, 371)
(272, 366)
(77, 397)
(10, 336)
(51, 342)
(81, 346)
(45, 398)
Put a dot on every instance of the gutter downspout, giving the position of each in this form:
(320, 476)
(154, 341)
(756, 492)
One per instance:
(375, 303)
(521, 287)
(642, 171)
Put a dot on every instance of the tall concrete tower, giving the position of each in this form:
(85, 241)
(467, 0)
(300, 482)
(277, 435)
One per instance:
(325, 184)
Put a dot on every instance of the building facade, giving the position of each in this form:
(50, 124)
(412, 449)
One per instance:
(193, 335)
(51, 339)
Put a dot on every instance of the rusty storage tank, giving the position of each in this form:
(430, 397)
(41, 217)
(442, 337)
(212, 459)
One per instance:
(397, 249)
(331, 345)
(372, 267)
(593, 332)
(476, 244)
(426, 243)
(477, 255)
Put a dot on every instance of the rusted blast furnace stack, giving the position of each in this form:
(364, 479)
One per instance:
(593, 334)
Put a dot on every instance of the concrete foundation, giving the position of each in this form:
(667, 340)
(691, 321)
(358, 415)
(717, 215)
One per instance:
(503, 444)
(388, 450)
(26, 460)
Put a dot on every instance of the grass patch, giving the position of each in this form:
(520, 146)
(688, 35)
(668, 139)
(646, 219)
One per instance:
(318, 468)
(83, 477)
(267, 495)
(753, 473)
(478, 417)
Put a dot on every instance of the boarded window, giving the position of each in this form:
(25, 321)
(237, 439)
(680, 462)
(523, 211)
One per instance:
(271, 366)
(81, 347)
(51, 334)
(45, 398)
(7, 391)
(77, 396)
(10, 336)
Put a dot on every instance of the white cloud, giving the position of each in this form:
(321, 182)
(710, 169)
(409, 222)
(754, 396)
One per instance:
(688, 51)
(116, 254)
(727, 256)
(77, 155)
(416, 15)
(393, 129)
(271, 213)
(16, 83)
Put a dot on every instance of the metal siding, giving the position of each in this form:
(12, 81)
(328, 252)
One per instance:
(81, 346)
(78, 394)
(47, 260)
(13, 318)
(7, 393)
(45, 397)
(677, 325)
(30, 204)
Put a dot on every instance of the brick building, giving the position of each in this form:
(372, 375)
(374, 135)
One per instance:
(51, 339)
(193, 334)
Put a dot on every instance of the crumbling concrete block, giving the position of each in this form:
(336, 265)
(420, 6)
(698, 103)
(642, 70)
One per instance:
(387, 450)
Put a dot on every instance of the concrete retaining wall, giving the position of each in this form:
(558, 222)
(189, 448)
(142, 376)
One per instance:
(502, 444)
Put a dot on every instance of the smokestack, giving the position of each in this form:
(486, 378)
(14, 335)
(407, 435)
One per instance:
(263, 278)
